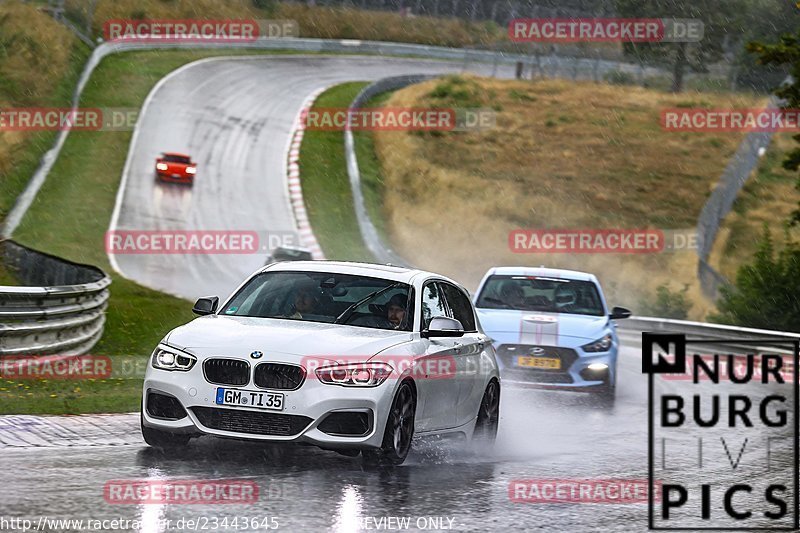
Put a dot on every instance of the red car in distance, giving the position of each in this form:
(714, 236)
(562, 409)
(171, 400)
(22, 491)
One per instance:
(180, 168)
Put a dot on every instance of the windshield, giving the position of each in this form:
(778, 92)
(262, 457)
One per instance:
(325, 297)
(172, 158)
(534, 293)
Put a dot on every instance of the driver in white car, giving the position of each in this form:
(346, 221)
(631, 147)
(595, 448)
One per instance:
(306, 301)
(396, 310)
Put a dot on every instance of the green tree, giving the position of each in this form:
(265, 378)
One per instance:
(722, 20)
(767, 20)
(667, 303)
(785, 52)
(767, 292)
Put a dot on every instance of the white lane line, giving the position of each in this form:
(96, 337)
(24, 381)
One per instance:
(131, 147)
(291, 173)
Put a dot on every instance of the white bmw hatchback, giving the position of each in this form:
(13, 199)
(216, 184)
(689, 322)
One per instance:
(350, 357)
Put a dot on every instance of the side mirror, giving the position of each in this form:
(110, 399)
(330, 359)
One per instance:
(619, 312)
(206, 305)
(441, 326)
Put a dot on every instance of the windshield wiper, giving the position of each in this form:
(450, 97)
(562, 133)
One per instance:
(496, 300)
(342, 318)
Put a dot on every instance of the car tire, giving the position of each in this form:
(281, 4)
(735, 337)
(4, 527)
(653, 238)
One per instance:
(164, 440)
(399, 431)
(488, 417)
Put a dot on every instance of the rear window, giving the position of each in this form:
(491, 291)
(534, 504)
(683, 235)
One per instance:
(536, 293)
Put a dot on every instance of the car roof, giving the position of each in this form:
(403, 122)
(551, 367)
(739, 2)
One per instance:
(177, 154)
(543, 272)
(390, 272)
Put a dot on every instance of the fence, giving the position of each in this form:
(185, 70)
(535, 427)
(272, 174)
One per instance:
(720, 203)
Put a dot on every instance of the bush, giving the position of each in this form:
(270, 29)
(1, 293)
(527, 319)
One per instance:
(618, 77)
(667, 303)
(766, 293)
(457, 91)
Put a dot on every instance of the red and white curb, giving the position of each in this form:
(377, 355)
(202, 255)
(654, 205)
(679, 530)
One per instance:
(307, 238)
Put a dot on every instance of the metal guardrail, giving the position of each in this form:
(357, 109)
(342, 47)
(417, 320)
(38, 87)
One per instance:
(379, 249)
(59, 309)
(704, 331)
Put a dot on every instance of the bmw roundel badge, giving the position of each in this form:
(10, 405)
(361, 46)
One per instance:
(256, 355)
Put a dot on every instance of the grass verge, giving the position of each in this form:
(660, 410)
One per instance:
(8, 276)
(326, 186)
(63, 221)
(562, 155)
(40, 63)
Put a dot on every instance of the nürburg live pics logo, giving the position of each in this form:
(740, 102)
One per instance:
(723, 433)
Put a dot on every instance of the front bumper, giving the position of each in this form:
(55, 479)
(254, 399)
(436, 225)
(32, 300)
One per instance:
(175, 178)
(305, 409)
(574, 373)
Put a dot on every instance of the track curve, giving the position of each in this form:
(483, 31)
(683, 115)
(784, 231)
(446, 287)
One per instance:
(235, 117)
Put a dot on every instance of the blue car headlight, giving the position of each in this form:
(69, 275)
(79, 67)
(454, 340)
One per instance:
(169, 358)
(600, 345)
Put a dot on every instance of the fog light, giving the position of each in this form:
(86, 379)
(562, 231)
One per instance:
(598, 366)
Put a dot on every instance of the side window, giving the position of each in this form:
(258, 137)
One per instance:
(432, 303)
(460, 306)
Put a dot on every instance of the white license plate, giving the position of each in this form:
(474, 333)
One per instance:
(250, 398)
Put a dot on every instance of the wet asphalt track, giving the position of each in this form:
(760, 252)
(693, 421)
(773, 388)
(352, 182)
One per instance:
(542, 435)
(234, 116)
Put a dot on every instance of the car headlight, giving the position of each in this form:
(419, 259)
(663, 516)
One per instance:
(168, 358)
(600, 345)
(355, 375)
(162, 166)
(191, 170)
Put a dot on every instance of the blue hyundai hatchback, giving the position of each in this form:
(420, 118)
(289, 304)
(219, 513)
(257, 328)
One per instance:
(551, 328)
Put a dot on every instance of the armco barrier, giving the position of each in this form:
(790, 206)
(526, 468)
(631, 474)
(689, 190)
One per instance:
(703, 331)
(59, 308)
(373, 241)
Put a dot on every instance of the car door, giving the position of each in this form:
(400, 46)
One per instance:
(470, 374)
(435, 369)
